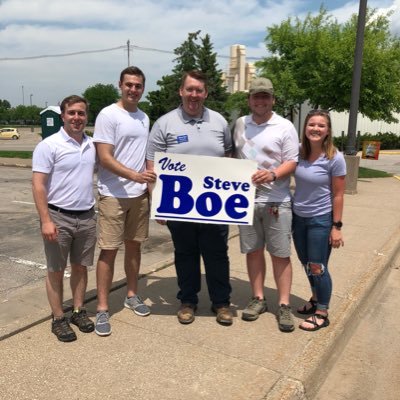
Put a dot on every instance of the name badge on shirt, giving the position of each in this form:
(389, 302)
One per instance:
(182, 138)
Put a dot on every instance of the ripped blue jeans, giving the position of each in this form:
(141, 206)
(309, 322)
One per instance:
(311, 240)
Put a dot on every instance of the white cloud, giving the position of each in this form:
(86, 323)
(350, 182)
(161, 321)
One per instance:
(29, 28)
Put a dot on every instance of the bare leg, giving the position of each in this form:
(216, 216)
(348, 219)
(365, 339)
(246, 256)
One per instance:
(54, 288)
(256, 269)
(104, 276)
(132, 266)
(283, 277)
(78, 284)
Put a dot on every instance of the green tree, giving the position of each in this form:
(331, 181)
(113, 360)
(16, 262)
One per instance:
(207, 62)
(190, 55)
(4, 105)
(25, 114)
(312, 60)
(4, 111)
(237, 105)
(99, 96)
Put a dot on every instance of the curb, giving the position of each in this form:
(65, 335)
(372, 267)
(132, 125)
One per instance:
(317, 358)
(167, 262)
(91, 296)
(6, 164)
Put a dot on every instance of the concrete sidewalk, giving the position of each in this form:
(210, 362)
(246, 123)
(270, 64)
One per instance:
(157, 358)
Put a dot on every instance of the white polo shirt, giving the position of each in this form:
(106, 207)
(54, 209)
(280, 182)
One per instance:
(70, 167)
(270, 144)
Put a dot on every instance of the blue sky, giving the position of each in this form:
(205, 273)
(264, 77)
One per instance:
(42, 27)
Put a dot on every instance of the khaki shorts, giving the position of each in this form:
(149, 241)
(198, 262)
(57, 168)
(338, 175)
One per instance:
(275, 233)
(76, 238)
(122, 219)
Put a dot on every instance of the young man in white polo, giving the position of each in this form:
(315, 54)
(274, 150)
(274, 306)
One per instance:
(63, 165)
(272, 141)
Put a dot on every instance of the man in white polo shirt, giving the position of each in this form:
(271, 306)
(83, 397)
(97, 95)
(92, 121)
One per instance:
(272, 141)
(62, 183)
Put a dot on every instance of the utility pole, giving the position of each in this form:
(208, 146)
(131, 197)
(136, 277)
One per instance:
(31, 99)
(356, 83)
(352, 160)
(23, 96)
(128, 47)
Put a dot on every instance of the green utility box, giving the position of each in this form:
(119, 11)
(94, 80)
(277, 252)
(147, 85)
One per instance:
(51, 121)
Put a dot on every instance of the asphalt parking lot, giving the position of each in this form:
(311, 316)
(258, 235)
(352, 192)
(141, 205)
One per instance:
(29, 138)
(21, 259)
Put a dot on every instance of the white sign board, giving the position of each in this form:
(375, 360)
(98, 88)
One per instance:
(203, 189)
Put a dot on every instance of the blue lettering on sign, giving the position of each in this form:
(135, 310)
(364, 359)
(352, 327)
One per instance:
(182, 138)
(167, 164)
(176, 187)
(176, 197)
(210, 182)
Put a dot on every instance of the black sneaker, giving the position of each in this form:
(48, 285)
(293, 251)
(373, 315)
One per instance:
(82, 321)
(61, 328)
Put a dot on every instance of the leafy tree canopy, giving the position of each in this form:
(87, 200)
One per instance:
(194, 53)
(237, 105)
(99, 96)
(4, 105)
(312, 60)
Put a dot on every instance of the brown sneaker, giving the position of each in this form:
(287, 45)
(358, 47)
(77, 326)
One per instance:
(186, 313)
(224, 315)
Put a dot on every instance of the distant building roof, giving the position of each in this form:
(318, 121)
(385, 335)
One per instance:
(56, 109)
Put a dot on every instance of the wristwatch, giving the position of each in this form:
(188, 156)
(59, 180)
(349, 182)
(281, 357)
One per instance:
(338, 225)
(273, 176)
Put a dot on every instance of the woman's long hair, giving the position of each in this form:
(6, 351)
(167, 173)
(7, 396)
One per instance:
(327, 146)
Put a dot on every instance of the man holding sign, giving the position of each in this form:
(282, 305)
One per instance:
(196, 130)
(272, 141)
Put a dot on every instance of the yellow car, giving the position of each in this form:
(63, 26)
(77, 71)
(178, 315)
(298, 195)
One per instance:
(9, 133)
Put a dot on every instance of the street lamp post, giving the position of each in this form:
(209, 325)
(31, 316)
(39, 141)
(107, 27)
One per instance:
(23, 96)
(352, 160)
(30, 99)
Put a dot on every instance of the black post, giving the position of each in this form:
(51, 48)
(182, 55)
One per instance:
(342, 142)
(358, 141)
(355, 88)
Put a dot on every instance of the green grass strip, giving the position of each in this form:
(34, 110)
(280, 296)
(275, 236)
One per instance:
(372, 173)
(15, 154)
(362, 172)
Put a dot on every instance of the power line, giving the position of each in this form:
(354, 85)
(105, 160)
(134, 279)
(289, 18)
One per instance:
(61, 55)
(104, 51)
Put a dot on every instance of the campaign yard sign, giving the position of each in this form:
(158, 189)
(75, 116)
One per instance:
(214, 190)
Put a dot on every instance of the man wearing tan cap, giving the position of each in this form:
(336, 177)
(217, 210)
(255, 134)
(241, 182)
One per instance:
(272, 141)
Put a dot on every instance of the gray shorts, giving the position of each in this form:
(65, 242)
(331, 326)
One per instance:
(268, 229)
(76, 238)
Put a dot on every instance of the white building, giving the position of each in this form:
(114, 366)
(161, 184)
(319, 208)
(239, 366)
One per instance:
(340, 123)
(240, 73)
